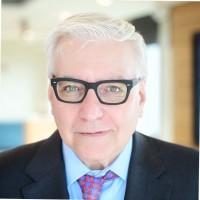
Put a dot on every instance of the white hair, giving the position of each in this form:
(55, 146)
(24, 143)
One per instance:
(95, 26)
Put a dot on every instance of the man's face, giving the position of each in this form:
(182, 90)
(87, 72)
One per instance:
(97, 132)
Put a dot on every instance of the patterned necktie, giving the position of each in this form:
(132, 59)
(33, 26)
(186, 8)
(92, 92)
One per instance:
(91, 186)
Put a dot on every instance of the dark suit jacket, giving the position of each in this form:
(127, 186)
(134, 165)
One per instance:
(157, 171)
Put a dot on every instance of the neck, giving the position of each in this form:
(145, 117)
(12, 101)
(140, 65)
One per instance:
(99, 164)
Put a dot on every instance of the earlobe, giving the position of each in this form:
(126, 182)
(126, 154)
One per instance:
(50, 98)
(49, 93)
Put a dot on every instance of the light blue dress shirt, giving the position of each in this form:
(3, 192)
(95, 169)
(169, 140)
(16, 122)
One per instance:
(114, 189)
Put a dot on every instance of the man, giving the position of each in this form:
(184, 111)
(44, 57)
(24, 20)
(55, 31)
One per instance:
(97, 71)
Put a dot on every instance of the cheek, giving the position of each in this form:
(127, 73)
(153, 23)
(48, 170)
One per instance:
(128, 115)
(64, 115)
(60, 110)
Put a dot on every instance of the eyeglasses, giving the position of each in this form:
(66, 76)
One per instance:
(111, 92)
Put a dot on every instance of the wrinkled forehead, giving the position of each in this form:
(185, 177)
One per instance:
(108, 54)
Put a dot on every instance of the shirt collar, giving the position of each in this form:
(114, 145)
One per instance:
(75, 168)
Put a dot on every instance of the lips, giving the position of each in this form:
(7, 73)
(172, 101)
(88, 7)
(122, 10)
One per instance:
(94, 133)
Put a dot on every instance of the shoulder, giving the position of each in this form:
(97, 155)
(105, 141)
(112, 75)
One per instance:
(23, 154)
(18, 157)
(169, 148)
(18, 166)
(12, 166)
(175, 157)
(172, 165)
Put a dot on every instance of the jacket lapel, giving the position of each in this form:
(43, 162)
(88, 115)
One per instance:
(47, 172)
(147, 176)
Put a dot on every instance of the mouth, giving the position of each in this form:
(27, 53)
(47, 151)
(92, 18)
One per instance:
(95, 134)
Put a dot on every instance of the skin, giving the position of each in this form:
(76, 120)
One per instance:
(96, 132)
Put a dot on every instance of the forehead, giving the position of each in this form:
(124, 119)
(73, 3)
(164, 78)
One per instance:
(104, 59)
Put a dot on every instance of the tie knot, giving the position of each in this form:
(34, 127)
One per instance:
(91, 186)
(109, 176)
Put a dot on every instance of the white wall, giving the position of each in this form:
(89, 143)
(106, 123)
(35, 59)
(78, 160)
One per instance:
(23, 80)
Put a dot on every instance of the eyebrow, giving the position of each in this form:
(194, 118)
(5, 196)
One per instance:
(54, 76)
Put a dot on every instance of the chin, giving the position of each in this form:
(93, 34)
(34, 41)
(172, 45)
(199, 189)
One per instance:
(95, 157)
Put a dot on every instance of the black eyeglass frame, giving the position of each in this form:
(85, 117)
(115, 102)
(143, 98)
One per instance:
(94, 85)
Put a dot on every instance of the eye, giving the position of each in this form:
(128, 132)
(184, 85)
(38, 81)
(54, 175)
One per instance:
(113, 89)
(71, 88)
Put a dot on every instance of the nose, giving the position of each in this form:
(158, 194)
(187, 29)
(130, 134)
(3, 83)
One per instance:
(91, 108)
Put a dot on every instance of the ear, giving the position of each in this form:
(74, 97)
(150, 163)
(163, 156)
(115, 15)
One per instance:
(50, 97)
(49, 93)
(142, 97)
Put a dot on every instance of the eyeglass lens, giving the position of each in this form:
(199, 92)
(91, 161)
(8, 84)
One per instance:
(71, 91)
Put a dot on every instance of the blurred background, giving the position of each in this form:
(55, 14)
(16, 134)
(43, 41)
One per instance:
(171, 31)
